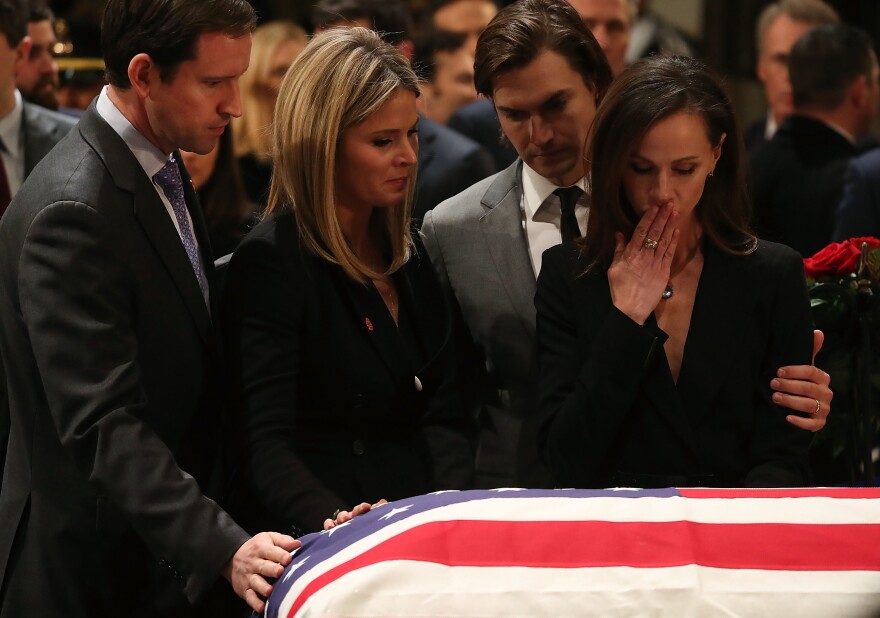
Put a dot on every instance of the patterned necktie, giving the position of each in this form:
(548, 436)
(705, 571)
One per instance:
(169, 179)
(568, 199)
(5, 193)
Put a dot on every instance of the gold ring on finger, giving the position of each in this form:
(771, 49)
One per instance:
(818, 406)
(649, 243)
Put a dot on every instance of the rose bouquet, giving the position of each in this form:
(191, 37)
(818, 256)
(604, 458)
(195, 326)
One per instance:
(843, 280)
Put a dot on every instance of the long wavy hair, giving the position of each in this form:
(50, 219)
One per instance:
(341, 77)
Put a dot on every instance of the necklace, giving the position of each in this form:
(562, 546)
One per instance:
(668, 290)
(389, 295)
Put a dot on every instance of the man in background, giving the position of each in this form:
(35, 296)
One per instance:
(797, 177)
(446, 72)
(37, 77)
(469, 17)
(779, 27)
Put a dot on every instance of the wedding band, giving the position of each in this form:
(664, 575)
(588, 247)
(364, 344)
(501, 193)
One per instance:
(818, 406)
(649, 243)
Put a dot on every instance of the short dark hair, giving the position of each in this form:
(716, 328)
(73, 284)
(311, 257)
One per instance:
(13, 20)
(524, 29)
(428, 45)
(167, 30)
(824, 62)
(388, 18)
(40, 12)
(650, 90)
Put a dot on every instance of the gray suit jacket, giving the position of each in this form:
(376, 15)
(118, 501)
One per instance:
(477, 245)
(42, 129)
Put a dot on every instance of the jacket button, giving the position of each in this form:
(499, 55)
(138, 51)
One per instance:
(358, 447)
(418, 384)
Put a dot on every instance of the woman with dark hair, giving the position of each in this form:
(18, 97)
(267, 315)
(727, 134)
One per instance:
(337, 327)
(659, 334)
(229, 214)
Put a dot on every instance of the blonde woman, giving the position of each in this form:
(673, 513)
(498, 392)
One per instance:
(337, 326)
(276, 44)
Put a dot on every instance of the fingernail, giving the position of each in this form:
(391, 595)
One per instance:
(777, 397)
(781, 373)
(775, 383)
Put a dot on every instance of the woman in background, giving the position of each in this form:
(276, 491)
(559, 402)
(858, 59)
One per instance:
(275, 45)
(229, 214)
(659, 336)
(337, 326)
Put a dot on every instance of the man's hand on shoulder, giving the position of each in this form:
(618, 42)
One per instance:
(261, 557)
(805, 389)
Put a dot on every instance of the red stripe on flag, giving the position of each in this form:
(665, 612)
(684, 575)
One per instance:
(808, 492)
(582, 544)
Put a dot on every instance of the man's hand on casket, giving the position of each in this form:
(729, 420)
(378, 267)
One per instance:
(340, 517)
(262, 557)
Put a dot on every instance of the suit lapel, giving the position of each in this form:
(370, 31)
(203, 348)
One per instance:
(502, 230)
(723, 298)
(149, 211)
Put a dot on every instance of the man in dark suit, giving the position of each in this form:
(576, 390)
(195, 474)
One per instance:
(859, 211)
(106, 307)
(486, 243)
(780, 25)
(797, 177)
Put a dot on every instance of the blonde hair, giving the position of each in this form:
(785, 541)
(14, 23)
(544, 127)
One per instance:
(252, 132)
(340, 78)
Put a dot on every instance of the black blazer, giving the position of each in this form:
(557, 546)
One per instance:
(796, 183)
(335, 410)
(613, 414)
(114, 449)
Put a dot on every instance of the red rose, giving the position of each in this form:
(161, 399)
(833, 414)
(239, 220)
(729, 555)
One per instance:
(838, 258)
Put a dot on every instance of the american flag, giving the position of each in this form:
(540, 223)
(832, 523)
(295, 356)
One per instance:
(614, 552)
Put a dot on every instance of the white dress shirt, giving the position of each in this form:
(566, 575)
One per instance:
(543, 215)
(151, 158)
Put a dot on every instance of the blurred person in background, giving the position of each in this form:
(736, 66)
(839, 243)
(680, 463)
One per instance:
(611, 22)
(229, 214)
(651, 34)
(797, 177)
(276, 44)
(446, 72)
(37, 77)
(470, 17)
(779, 27)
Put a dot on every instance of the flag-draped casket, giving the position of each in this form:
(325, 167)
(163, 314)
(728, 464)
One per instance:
(616, 552)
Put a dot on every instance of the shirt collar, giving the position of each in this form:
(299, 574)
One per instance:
(151, 158)
(537, 189)
(10, 128)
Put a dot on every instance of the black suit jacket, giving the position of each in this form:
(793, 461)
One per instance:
(797, 181)
(614, 414)
(114, 447)
(479, 121)
(449, 163)
(336, 408)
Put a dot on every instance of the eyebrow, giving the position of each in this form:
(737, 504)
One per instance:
(414, 125)
(555, 95)
(686, 159)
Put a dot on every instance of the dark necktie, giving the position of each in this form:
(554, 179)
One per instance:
(5, 193)
(169, 179)
(568, 199)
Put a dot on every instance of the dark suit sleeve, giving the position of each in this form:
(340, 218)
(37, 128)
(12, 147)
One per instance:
(75, 298)
(778, 449)
(264, 317)
(585, 394)
(859, 211)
